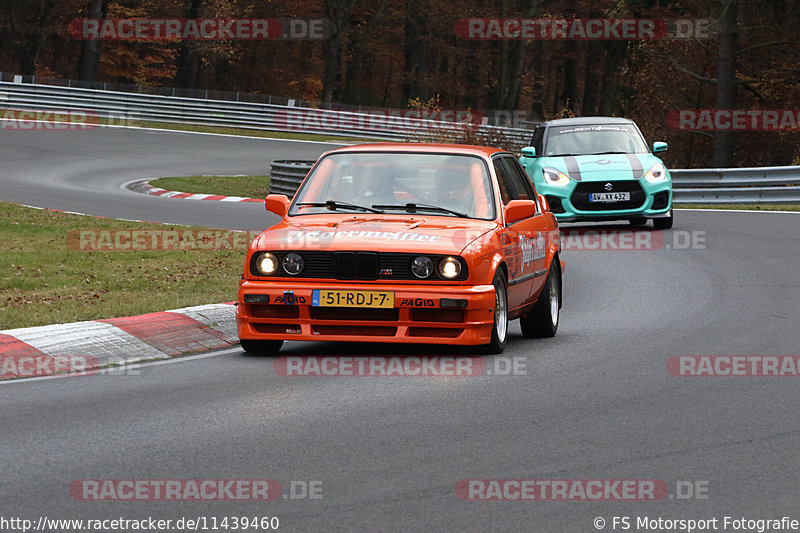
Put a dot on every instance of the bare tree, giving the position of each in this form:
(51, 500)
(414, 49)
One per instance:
(91, 49)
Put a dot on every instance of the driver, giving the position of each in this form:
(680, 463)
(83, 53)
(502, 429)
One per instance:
(380, 187)
(454, 189)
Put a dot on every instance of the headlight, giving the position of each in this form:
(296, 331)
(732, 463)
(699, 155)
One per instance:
(554, 176)
(656, 173)
(293, 264)
(266, 264)
(422, 266)
(449, 268)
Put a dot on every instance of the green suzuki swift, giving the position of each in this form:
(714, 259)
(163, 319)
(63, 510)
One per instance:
(598, 169)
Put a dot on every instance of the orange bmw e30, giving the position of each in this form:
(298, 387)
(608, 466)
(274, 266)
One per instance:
(410, 243)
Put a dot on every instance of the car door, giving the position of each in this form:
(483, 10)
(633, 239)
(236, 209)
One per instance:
(531, 234)
(515, 240)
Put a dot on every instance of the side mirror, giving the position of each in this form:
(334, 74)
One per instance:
(659, 146)
(543, 203)
(517, 210)
(278, 204)
(529, 151)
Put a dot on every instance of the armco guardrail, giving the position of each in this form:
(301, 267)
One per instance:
(741, 185)
(736, 185)
(690, 186)
(127, 107)
(286, 176)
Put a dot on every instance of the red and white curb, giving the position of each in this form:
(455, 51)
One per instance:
(47, 350)
(144, 187)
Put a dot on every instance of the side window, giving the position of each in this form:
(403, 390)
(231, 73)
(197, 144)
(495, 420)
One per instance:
(503, 181)
(522, 186)
(538, 140)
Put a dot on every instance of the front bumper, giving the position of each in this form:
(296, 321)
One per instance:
(416, 318)
(657, 203)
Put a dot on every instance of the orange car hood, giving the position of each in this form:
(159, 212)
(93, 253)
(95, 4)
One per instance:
(370, 233)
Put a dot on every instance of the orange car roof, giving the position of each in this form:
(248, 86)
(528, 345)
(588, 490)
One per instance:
(421, 147)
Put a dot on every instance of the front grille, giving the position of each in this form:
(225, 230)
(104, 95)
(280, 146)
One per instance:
(355, 331)
(356, 265)
(354, 313)
(580, 198)
(450, 333)
(274, 311)
(364, 266)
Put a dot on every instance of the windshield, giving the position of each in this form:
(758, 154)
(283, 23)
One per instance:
(398, 183)
(598, 139)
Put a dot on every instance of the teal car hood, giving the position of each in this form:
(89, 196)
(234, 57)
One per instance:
(602, 167)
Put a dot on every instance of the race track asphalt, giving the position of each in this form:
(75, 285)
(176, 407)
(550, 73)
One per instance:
(595, 402)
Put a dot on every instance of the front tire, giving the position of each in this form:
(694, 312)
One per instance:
(663, 223)
(261, 347)
(542, 320)
(500, 327)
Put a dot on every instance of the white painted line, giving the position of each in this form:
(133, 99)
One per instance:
(198, 196)
(132, 365)
(109, 126)
(233, 199)
(738, 211)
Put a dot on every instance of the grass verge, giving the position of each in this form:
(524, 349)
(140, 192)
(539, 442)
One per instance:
(748, 207)
(247, 186)
(45, 280)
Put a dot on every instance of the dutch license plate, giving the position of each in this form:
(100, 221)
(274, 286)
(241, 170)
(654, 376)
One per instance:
(609, 197)
(334, 298)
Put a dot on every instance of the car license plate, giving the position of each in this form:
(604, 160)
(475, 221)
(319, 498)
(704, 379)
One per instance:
(609, 197)
(332, 298)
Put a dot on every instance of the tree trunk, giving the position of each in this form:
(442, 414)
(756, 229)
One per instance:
(726, 80)
(92, 50)
(416, 53)
(338, 13)
(189, 55)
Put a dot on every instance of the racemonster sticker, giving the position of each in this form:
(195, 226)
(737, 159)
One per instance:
(298, 237)
(533, 249)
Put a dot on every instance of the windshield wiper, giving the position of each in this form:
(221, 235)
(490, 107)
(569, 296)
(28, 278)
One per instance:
(411, 207)
(607, 153)
(333, 204)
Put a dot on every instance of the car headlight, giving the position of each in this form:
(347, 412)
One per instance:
(449, 268)
(265, 264)
(293, 264)
(656, 173)
(554, 176)
(422, 266)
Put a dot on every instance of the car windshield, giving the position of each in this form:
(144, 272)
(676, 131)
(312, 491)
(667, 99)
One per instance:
(594, 139)
(398, 183)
